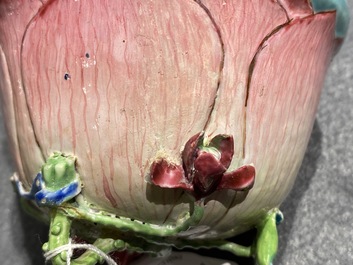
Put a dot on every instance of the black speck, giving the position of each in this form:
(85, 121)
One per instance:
(87, 55)
(67, 76)
(124, 41)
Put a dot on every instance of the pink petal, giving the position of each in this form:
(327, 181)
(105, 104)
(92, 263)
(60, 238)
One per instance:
(296, 8)
(286, 83)
(243, 25)
(14, 17)
(240, 179)
(283, 97)
(168, 175)
(143, 77)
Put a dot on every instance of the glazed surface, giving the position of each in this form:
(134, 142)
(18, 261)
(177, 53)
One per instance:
(146, 76)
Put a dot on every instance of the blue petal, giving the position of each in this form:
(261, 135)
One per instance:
(342, 13)
(36, 186)
(55, 198)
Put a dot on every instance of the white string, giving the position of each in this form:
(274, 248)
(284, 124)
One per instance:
(69, 247)
(69, 253)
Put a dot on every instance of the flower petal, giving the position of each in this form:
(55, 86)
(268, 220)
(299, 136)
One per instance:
(242, 25)
(342, 13)
(117, 83)
(225, 145)
(240, 179)
(189, 153)
(283, 97)
(208, 171)
(14, 18)
(168, 175)
(296, 8)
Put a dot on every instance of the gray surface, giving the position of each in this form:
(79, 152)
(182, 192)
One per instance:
(318, 226)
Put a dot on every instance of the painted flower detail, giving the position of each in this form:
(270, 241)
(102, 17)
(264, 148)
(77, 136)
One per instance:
(204, 168)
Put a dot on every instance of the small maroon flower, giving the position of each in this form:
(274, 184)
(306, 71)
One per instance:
(204, 168)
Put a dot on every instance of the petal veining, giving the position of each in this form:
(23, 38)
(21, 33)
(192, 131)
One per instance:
(121, 82)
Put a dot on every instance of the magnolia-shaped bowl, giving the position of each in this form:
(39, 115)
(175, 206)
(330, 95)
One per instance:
(145, 125)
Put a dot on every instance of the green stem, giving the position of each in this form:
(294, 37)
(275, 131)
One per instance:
(59, 233)
(233, 248)
(91, 257)
(142, 229)
(153, 238)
